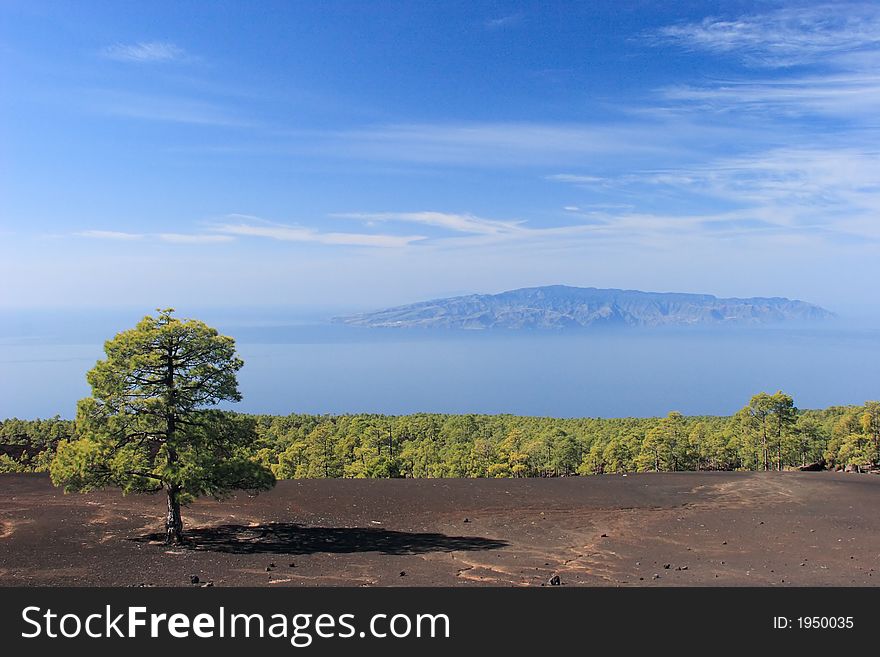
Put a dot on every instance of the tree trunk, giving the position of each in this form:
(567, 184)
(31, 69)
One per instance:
(173, 522)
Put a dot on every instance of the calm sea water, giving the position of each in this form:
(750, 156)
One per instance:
(331, 369)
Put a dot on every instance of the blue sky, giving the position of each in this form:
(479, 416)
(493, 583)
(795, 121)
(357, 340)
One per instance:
(350, 155)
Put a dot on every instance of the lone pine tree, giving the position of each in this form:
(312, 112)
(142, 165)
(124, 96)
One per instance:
(149, 425)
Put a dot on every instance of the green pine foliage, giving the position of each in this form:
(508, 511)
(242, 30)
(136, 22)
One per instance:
(150, 424)
(769, 433)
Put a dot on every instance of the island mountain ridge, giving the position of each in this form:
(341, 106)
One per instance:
(563, 306)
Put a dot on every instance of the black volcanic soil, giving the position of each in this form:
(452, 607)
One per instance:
(767, 529)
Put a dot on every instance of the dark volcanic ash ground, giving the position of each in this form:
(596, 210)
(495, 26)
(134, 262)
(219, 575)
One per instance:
(672, 529)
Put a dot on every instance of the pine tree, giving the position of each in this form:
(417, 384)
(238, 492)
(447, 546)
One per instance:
(149, 425)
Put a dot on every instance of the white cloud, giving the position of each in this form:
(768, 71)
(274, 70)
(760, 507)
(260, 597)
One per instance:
(502, 22)
(835, 47)
(785, 37)
(460, 223)
(162, 108)
(616, 222)
(828, 193)
(110, 235)
(468, 230)
(248, 226)
(852, 95)
(183, 238)
(144, 51)
(514, 144)
(254, 227)
(177, 238)
(575, 179)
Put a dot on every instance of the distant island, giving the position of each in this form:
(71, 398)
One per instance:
(562, 306)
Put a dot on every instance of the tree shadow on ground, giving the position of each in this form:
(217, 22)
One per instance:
(291, 538)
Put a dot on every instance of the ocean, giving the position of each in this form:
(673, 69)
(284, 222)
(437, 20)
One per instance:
(306, 366)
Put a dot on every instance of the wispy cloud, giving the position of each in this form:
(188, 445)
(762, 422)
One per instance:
(468, 230)
(624, 224)
(852, 95)
(110, 235)
(502, 22)
(785, 37)
(517, 144)
(575, 179)
(174, 238)
(247, 226)
(805, 164)
(828, 192)
(813, 176)
(144, 51)
(171, 109)
(183, 238)
(817, 60)
(459, 223)
(236, 226)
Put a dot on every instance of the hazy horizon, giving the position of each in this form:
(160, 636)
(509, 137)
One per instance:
(306, 365)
